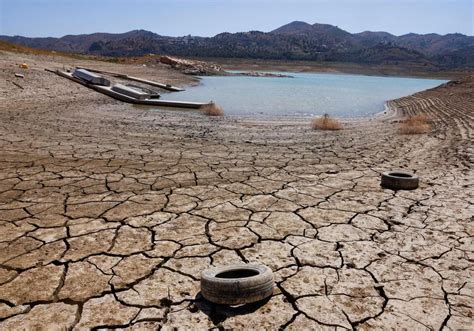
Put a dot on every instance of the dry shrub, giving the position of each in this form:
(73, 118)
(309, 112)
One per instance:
(212, 109)
(417, 124)
(326, 123)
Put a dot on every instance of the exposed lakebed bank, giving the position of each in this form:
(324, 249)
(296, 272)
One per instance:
(109, 211)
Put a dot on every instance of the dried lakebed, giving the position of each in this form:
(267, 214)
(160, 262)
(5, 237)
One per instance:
(108, 213)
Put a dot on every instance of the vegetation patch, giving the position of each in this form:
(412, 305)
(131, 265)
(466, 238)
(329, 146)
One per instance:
(212, 109)
(326, 122)
(417, 124)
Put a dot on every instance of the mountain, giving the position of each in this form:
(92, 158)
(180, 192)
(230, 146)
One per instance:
(462, 58)
(435, 44)
(370, 39)
(293, 41)
(73, 43)
(295, 27)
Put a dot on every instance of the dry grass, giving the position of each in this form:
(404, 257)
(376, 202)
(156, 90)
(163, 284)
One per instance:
(417, 124)
(9, 47)
(326, 122)
(6, 46)
(212, 109)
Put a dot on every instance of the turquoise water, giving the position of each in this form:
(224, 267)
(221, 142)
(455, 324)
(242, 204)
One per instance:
(304, 95)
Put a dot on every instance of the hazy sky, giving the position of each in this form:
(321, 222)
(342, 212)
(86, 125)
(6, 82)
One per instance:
(41, 18)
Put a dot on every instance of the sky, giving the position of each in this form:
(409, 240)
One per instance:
(55, 18)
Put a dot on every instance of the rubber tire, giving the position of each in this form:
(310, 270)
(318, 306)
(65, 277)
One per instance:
(234, 291)
(407, 182)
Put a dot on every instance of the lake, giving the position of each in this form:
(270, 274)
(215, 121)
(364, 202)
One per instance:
(307, 94)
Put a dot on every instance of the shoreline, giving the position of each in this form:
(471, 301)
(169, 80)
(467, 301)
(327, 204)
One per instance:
(334, 67)
(276, 117)
(424, 75)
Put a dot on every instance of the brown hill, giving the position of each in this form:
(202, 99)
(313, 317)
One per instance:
(294, 41)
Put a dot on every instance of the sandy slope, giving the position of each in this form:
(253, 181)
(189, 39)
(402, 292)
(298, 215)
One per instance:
(107, 210)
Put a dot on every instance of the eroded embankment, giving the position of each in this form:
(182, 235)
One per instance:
(451, 107)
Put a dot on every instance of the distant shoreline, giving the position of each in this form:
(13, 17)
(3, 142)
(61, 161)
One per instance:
(332, 67)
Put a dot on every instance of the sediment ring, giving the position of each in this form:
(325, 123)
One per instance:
(237, 284)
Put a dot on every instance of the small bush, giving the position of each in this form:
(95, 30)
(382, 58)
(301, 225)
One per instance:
(417, 124)
(326, 123)
(212, 109)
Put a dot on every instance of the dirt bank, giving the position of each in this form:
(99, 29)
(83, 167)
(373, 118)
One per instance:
(335, 67)
(109, 211)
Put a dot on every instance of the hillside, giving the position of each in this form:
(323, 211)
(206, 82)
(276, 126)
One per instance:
(294, 41)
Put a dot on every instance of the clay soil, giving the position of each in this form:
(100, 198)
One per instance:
(109, 211)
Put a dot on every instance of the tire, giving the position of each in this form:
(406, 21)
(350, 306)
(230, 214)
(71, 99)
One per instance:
(399, 180)
(237, 284)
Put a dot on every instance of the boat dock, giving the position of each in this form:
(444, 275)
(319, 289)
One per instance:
(136, 79)
(111, 92)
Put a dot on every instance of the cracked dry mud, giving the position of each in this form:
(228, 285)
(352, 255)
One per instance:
(109, 212)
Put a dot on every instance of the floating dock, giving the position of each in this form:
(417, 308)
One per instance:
(108, 90)
(136, 79)
(90, 77)
(131, 92)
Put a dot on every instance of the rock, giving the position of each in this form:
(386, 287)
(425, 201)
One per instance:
(192, 67)
(263, 74)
